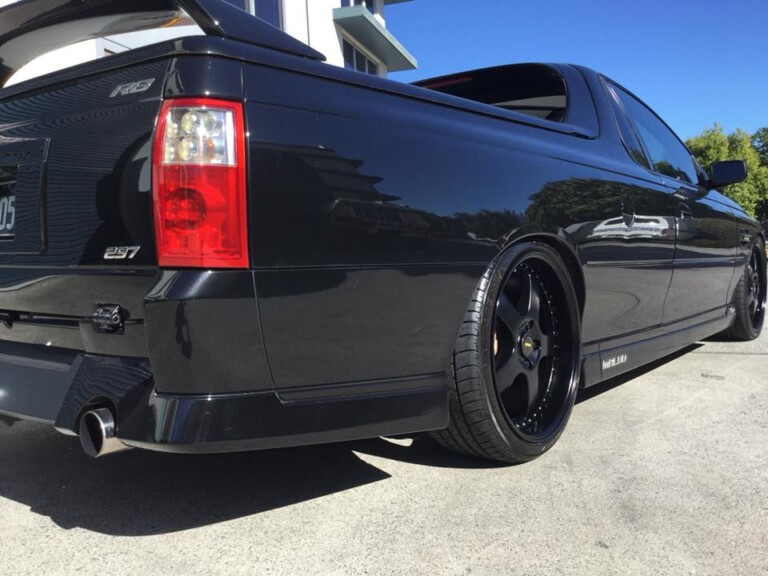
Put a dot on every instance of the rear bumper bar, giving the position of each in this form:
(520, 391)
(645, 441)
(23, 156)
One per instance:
(57, 387)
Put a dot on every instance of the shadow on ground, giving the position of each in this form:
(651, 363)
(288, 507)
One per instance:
(138, 493)
(141, 493)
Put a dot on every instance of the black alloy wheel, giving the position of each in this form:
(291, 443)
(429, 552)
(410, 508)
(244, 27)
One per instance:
(527, 338)
(749, 298)
(756, 289)
(515, 368)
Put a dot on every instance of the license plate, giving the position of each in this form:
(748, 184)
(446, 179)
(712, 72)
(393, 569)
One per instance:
(7, 202)
(7, 205)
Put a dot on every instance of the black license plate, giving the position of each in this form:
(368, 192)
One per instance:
(7, 203)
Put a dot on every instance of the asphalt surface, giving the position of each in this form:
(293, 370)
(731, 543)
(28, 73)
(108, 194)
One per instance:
(665, 472)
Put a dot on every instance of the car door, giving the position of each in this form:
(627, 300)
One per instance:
(706, 232)
(705, 254)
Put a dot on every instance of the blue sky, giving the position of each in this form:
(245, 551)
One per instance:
(694, 62)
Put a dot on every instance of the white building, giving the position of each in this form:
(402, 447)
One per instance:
(351, 33)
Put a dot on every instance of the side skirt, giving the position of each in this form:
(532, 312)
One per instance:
(611, 358)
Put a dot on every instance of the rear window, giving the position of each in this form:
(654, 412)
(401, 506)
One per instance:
(535, 90)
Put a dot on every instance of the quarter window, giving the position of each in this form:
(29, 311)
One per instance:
(667, 154)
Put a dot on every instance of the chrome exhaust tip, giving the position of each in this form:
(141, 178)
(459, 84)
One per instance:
(97, 433)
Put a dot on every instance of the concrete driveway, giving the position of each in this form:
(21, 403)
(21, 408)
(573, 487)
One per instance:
(665, 472)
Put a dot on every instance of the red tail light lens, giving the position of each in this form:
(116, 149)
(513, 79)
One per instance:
(199, 187)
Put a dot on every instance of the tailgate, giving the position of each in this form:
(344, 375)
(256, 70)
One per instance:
(77, 246)
(75, 203)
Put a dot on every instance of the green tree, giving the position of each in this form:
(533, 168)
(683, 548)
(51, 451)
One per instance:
(713, 144)
(760, 143)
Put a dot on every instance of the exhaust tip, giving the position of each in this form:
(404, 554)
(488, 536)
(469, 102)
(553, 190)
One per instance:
(98, 433)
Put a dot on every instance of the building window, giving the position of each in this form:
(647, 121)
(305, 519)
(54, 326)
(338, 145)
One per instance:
(370, 4)
(268, 10)
(354, 59)
(242, 4)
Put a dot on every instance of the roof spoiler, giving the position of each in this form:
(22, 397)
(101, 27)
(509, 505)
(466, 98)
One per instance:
(30, 28)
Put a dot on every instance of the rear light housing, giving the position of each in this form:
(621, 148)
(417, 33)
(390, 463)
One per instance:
(199, 184)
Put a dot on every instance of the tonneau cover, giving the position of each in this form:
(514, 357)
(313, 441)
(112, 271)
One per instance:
(31, 28)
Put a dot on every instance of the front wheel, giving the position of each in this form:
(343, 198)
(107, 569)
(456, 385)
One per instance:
(750, 297)
(515, 370)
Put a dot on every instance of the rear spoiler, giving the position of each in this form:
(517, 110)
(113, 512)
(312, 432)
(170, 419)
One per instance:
(30, 28)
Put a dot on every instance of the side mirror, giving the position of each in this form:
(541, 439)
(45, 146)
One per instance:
(726, 172)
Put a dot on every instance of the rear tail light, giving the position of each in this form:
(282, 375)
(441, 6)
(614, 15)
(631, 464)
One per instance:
(199, 184)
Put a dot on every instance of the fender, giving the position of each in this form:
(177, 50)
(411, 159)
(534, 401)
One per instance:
(561, 241)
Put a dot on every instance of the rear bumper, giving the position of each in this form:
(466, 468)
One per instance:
(57, 386)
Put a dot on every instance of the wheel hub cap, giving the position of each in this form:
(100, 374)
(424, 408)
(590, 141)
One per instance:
(530, 347)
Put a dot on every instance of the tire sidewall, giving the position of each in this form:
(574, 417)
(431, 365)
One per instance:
(759, 247)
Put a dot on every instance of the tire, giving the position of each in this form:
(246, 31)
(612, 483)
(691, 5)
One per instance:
(515, 369)
(750, 297)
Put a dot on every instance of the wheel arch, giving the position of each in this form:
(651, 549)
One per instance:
(559, 241)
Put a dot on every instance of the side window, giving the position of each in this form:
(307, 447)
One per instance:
(668, 155)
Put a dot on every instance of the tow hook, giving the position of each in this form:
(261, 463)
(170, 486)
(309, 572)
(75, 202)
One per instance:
(109, 319)
(8, 318)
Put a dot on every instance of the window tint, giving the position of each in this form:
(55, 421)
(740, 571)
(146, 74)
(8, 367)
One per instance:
(532, 89)
(668, 155)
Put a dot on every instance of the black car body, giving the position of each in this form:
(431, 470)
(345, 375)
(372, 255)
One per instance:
(361, 216)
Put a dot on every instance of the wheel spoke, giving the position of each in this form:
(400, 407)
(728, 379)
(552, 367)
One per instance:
(532, 378)
(506, 312)
(530, 298)
(507, 369)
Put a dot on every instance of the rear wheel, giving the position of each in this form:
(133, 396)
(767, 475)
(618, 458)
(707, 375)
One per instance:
(514, 375)
(750, 297)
